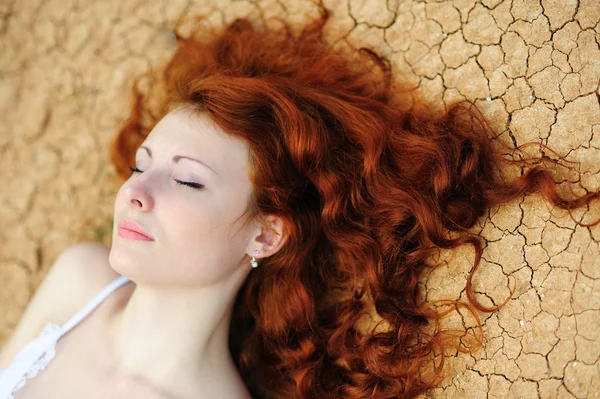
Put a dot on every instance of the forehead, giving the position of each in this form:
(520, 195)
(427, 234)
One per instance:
(189, 133)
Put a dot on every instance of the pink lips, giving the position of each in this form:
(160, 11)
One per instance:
(132, 231)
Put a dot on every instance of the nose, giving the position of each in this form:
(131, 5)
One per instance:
(138, 195)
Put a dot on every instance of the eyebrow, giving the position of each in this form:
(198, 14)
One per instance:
(176, 159)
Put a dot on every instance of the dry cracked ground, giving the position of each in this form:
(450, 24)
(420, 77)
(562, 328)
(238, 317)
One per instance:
(532, 67)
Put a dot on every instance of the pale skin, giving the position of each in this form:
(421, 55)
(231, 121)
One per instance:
(173, 331)
(168, 333)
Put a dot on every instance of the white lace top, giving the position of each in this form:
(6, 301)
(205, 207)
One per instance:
(35, 356)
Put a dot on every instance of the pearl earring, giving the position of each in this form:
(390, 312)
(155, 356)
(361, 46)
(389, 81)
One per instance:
(253, 261)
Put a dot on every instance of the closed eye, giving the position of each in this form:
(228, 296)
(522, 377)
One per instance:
(195, 186)
(135, 170)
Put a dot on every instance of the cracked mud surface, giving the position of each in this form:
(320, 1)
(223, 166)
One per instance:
(532, 66)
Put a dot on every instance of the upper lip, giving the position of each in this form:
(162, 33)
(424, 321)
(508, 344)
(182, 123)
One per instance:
(133, 226)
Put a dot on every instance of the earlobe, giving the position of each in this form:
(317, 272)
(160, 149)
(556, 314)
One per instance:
(253, 261)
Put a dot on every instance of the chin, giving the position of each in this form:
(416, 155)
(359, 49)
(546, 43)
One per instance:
(127, 261)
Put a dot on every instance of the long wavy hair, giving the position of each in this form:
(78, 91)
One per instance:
(367, 193)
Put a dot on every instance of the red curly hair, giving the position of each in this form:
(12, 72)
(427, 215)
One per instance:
(366, 191)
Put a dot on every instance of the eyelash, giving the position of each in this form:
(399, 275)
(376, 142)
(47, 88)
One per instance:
(194, 186)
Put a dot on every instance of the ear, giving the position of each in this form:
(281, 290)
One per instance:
(269, 238)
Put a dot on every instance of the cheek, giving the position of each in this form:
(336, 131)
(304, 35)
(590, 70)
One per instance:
(202, 233)
(191, 224)
(199, 241)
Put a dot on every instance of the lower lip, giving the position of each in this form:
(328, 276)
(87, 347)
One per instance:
(132, 235)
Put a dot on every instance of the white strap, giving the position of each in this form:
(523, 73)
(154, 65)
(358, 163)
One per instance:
(26, 358)
(87, 309)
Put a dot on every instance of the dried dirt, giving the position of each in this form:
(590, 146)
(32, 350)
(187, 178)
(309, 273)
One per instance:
(532, 66)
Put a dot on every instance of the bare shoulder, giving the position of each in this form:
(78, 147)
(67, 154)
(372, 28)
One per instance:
(80, 271)
(75, 277)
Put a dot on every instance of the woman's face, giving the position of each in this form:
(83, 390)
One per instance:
(188, 198)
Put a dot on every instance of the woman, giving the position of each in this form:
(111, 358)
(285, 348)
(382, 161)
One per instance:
(275, 201)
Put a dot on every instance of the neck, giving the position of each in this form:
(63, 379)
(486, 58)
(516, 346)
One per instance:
(175, 336)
